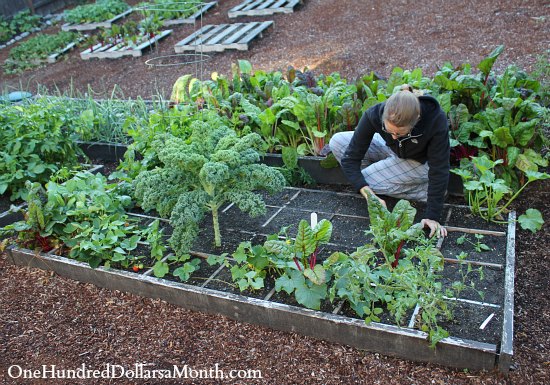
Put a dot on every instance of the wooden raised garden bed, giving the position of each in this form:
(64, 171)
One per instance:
(115, 51)
(92, 26)
(263, 7)
(218, 38)
(481, 333)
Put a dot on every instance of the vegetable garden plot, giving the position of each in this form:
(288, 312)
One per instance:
(471, 346)
(115, 51)
(191, 19)
(218, 38)
(92, 26)
(263, 7)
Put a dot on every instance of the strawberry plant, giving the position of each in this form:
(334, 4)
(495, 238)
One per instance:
(86, 217)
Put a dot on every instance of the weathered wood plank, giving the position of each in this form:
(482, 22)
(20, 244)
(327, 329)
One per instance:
(507, 341)
(115, 51)
(217, 38)
(263, 7)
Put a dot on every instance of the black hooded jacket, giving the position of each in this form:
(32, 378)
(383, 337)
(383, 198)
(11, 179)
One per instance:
(427, 142)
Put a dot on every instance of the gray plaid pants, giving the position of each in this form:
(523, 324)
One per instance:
(384, 171)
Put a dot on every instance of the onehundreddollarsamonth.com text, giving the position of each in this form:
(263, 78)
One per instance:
(138, 370)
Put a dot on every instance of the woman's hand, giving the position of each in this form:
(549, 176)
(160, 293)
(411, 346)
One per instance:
(435, 227)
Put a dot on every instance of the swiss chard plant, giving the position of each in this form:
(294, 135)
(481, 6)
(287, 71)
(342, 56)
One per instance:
(391, 230)
(197, 176)
(291, 261)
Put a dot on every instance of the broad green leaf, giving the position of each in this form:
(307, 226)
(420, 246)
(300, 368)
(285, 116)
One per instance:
(531, 220)
(305, 241)
(322, 232)
(160, 269)
(512, 154)
(525, 164)
(502, 137)
(318, 275)
(117, 257)
(486, 64)
(523, 132)
(311, 297)
(290, 157)
(535, 175)
(285, 283)
(245, 66)
(445, 102)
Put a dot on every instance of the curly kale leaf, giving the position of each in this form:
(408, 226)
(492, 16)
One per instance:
(214, 166)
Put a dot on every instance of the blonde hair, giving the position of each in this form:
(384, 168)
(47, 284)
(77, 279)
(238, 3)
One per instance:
(402, 109)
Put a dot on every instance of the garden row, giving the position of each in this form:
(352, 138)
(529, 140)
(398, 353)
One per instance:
(131, 38)
(193, 160)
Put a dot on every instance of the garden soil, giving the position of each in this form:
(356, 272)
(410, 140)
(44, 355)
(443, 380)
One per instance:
(49, 320)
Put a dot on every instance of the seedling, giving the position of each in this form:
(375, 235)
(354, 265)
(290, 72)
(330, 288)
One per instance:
(477, 244)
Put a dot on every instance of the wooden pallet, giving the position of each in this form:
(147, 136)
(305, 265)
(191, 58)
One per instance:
(115, 51)
(217, 38)
(53, 57)
(263, 7)
(92, 26)
(191, 19)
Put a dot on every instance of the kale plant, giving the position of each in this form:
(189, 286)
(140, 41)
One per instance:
(201, 174)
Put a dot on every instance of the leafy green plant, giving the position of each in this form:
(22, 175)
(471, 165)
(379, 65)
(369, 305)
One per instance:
(294, 174)
(34, 51)
(24, 21)
(169, 9)
(307, 279)
(490, 196)
(34, 143)
(292, 262)
(390, 230)
(199, 175)
(109, 120)
(85, 216)
(477, 244)
(101, 10)
(466, 282)
(369, 285)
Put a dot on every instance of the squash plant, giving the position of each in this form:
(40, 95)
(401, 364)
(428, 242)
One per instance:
(489, 196)
(201, 174)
